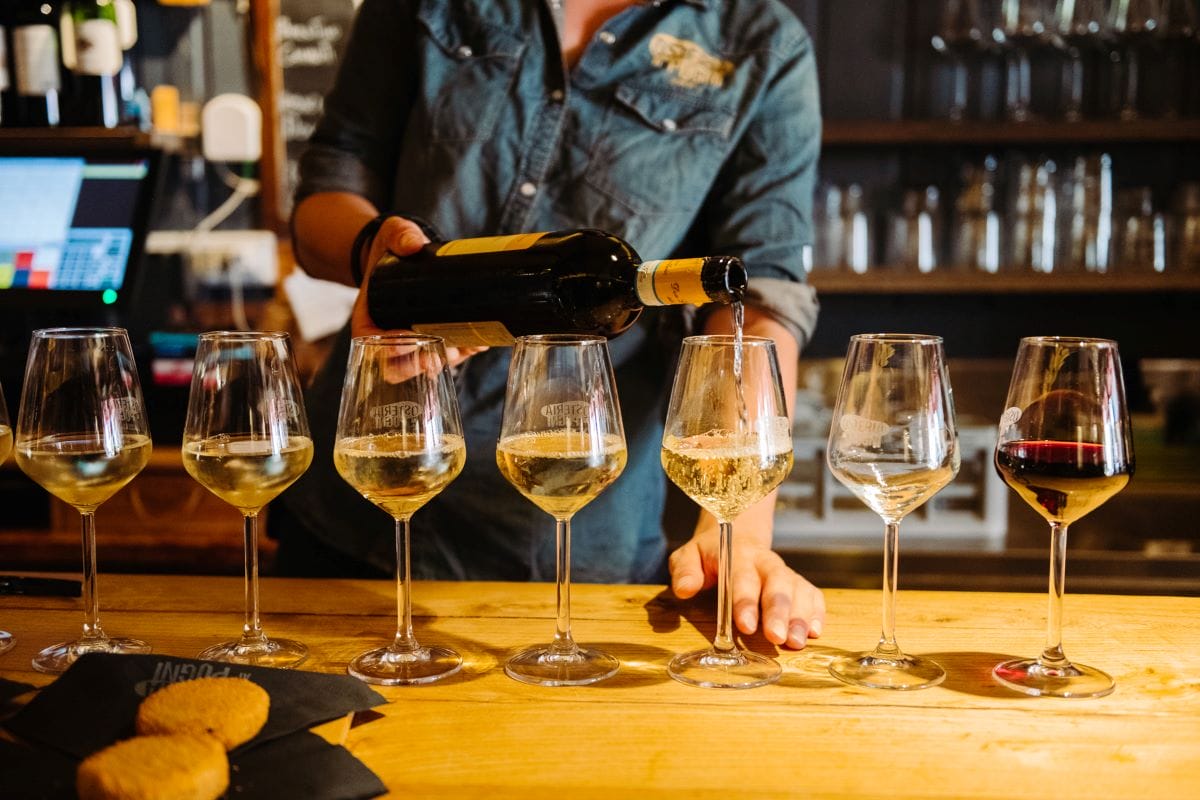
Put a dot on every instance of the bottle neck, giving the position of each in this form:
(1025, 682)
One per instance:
(695, 281)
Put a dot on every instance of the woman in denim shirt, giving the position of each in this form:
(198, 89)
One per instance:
(686, 127)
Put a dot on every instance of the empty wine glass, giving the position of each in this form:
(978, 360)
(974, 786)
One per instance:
(561, 443)
(82, 434)
(6, 443)
(1021, 26)
(1136, 24)
(727, 444)
(1081, 26)
(894, 444)
(1065, 448)
(246, 439)
(399, 443)
(961, 33)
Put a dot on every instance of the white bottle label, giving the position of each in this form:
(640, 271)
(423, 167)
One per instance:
(35, 55)
(126, 22)
(4, 80)
(97, 47)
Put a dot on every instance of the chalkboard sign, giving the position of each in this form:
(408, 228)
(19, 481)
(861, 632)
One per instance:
(309, 38)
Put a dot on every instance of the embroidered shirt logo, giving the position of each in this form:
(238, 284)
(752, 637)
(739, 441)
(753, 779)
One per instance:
(692, 66)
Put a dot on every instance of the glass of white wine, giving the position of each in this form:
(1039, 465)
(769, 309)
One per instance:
(561, 443)
(727, 444)
(6, 443)
(399, 443)
(894, 444)
(82, 434)
(246, 439)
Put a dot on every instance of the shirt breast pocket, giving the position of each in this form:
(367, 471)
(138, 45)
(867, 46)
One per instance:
(468, 74)
(658, 152)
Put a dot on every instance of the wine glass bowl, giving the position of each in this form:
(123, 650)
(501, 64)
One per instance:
(727, 444)
(399, 443)
(6, 445)
(894, 444)
(246, 439)
(82, 434)
(1065, 447)
(561, 443)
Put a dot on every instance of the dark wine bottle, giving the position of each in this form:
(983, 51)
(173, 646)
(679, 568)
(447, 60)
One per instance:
(489, 290)
(94, 58)
(37, 69)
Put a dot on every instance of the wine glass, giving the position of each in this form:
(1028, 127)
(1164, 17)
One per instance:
(894, 444)
(1080, 26)
(1136, 24)
(960, 34)
(1021, 26)
(561, 443)
(246, 439)
(82, 434)
(6, 443)
(1065, 448)
(727, 444)
(400, 442)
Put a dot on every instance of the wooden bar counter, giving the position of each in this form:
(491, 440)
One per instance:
(641, 734)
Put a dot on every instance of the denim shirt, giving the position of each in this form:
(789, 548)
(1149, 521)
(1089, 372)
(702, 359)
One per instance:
(686, 127)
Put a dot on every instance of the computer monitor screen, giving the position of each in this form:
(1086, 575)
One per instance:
(72, 226)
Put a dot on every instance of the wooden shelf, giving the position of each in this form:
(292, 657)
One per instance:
(881, 281)
(918, 133)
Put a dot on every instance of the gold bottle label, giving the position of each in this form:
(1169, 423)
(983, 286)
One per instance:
(671, 282)
(489, 244)
(469, 334)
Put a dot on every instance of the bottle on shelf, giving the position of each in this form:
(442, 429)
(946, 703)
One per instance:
(92, 52)
(489, 290)
(37, 68)
(6, 90)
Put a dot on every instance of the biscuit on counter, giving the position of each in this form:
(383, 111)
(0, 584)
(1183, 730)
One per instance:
(231, 710)
(174, 767)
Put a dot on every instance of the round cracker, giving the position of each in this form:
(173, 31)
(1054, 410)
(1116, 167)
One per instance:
(178, 767)
(231, 710)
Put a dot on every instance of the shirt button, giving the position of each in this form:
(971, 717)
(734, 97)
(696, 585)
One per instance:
(669, 125)
(557, 95)
(464, 52)
(528, 189)
(608, 37)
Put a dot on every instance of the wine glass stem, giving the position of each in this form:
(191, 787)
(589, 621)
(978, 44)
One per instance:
(1129, 97)
(723, 641)
(563, 642)
(252, 632)
(404, 642)
(1053, 655)
(891, 562)
(91, 595)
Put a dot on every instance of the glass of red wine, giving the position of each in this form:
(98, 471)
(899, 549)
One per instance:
(1065, 448)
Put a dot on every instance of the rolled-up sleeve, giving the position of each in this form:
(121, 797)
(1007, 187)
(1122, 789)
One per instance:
(355, 144)
(760, 208)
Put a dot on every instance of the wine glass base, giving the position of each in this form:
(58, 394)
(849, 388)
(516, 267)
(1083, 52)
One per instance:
(57, 657)
(6, 641)
(547, 666)
(1072, 680)
(887, 672)
(277, 653)
(385, 667)
(736, 669)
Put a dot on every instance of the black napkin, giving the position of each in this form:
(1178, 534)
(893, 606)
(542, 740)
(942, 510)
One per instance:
(93, 704)
(10, 689)
(316, 769)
